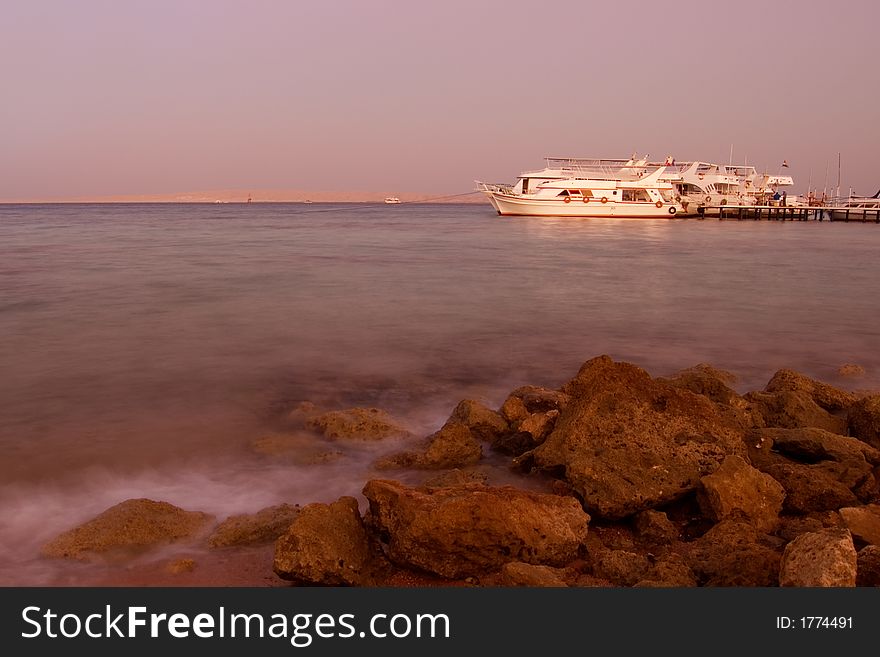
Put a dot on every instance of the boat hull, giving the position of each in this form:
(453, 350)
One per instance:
(518, 206)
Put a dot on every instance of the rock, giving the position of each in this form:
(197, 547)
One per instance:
(737, 486)
(790, 527)
(455, 478)
(326, 544)
(868, 566)
(180, 566)
(296, 448)
(540, 400)
(516, 444)
(130, 526)
(264, 526)
(824, 558)
(620, 567)
(708, 381)
(732, 553)
(539, 425)
(517, 573)
(627, 442)
(469, 530)
(669, 572)
(813, 445)
(655, 527)
(484, 423)
(849, 370)
(453, 446)
(863, 522)
(303, 412)
(828, 397)
(864, 420)
(791, 410)
(357, 423)
(809, 488)
(513, 410)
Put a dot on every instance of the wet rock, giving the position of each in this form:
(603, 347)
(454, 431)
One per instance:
(484, 423)
(738, 487)
(791, 410)
(669, 572)
(863, 522)
(825, 558)
(296, 448)
(358, 424)
(302, 413)
(864, 420)
(456, 478)
(469, 530)
(868, 566)
(732, 553)
(620, 567)
(655, 527)
(517, 573)
(850, 370)
(326, 544)
(516, 443)
(128, 527)
(627, 442)
(827, 397)
(513, 410)
(540, 400)
(453, 446)
(264, 526)
(708, 381)
(539, 425)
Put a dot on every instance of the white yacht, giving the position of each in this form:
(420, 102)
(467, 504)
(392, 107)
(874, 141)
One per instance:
(707, 185)
(856, 208)
(392, 200)
(576, 187)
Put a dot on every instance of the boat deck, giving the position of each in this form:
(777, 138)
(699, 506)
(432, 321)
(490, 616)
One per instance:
(791, 213)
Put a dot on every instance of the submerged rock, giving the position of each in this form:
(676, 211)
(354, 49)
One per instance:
(483, 423)
(453, 446)
(296, 448)
(470, 530)
(264, 526)
(627, 442)
(357, 424)
(130, 526)
(326, 544)
(824, 558)
(456, 477)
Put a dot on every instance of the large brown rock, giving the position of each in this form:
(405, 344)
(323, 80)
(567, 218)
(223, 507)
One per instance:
(128, 527)
(326, 544)
(517, 573)
(453, 446)
(358, 424)
(810, 488)
(732, 553)
(864, 420)
(788, 409)
(863, 522)
(626, 442)
(264, 526)
(738, 487)
(824, 558)
(814, 445)
(470, 530)
(655, 527)
(703, 379)
(828, 397)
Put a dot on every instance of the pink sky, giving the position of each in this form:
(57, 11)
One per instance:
(166, 96)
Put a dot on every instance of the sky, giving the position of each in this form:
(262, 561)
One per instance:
(132, 97)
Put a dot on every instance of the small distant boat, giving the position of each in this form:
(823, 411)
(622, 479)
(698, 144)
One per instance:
(307, 201)
(392, 199)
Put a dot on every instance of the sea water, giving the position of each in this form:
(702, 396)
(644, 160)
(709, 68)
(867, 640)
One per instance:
(143, 348)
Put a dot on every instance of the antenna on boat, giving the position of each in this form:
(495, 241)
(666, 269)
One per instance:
(731, 155)
(838, 175)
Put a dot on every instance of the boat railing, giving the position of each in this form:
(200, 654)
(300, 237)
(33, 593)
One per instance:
(499, 188)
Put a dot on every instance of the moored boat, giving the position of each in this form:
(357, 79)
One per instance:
(574, 187)
(392, 200)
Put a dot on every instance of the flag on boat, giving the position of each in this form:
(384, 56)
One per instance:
(785, 163)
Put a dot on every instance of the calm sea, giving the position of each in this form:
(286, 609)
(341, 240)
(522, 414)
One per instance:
(144, 347)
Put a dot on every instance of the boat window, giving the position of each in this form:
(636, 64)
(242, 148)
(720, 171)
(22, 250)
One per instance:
(635, 195)
(587, 192)
(574, 192)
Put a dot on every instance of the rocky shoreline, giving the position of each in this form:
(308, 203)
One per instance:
(627, 480)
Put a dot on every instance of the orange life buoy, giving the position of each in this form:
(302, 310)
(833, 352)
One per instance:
(659, 204)
(567, 199)
(708, 199)
(604, 199)
(672, 210)
(586, 199)
(724, 201)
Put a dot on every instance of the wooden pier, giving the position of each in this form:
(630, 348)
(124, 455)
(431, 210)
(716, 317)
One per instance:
(790, 213)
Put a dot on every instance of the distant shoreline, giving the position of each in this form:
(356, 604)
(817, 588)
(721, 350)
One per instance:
(239, 197)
